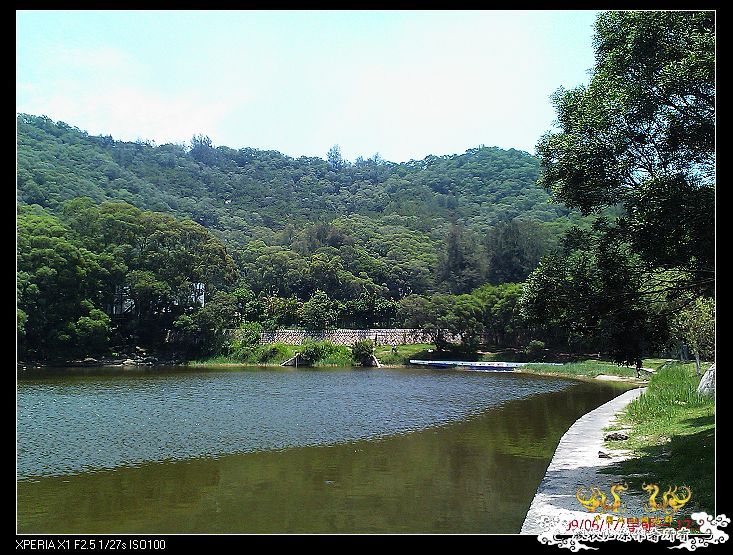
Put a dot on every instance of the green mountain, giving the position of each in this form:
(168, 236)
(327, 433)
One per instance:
(270, 238)
(242, 193)
(444, 223)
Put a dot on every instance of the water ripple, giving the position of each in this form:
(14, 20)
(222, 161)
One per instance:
(69, 425)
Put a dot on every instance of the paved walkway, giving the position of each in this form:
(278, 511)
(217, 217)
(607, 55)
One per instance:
(576, 463)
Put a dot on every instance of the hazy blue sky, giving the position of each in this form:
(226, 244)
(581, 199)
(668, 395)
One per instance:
(402, 83)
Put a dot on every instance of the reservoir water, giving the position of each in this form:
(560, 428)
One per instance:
(270, 450)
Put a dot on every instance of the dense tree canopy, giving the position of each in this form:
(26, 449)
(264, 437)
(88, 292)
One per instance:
(639, 136)
(642, 134)
(72, 271)
(296, 225)
(248, 193)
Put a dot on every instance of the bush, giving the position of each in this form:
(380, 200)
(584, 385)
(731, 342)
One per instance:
(324, 352)
(268, 352)
(246, 340)
(535, 350)
(312, 351)
(362, 351)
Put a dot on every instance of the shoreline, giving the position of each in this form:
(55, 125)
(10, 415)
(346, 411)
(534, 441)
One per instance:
(119, 365)
(583, 378)
(576, 464)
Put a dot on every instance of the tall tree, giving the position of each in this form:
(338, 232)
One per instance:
(642, 134)
(461, 263)
(640, 137)
(335, 160)
(695, 326)
(513, 250)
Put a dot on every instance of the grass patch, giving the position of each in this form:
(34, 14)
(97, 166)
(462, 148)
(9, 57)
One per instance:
(505, 355)
(587, 368)
(672, 391)
(270, 355)
(404, 353)
(334, 355)
(276, 353)
(215, 360)
(672, 435)
(658, 363)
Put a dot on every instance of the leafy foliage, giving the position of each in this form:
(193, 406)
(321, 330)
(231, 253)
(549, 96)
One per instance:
(639, 137)
(642, 135)
(297, 225)
(70, 274)
(534, 349)
(443, 244)
(314, 351)
(695, 326)
(362, 352)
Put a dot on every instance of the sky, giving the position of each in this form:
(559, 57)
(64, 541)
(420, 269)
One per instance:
(404, 84)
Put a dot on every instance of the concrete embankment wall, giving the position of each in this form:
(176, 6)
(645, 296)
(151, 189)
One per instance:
(381, 336)
(576, 464)
(346, 336)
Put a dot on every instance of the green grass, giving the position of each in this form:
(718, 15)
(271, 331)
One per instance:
(336, 355)
(588, 368)
(505, 355)
(404, 353)
(275, 354)
(214, 360)
(672, 435)
(270, 355)
(657, 363)
(672, 391)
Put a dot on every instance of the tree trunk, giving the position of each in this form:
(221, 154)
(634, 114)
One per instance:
(697, 363)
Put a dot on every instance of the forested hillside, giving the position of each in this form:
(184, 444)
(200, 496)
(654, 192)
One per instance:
(240, 192)
(122, 245)
(388, 223)
(313, 242)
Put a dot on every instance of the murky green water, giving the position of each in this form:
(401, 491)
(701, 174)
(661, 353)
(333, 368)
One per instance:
(347, 450)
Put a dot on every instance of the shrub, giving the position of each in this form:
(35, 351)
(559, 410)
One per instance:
(362, 351)
(246, 340)
(324, 352)
(268, 352)
(312, 351)
(535, 350)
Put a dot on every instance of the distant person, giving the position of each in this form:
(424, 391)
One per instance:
(638, 368)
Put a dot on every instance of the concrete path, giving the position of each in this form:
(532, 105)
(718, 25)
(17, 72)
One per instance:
(576, 463)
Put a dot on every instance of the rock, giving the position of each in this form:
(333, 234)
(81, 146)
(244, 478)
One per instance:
(707, 383)
(602, 455)
(615, 436)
